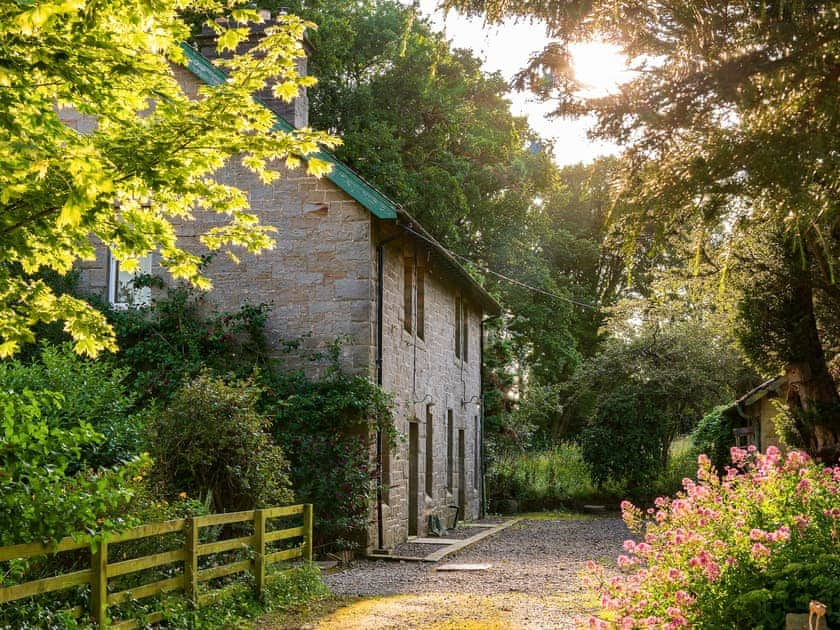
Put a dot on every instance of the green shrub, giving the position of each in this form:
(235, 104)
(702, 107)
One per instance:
(211, 442)
(740, 550)
(178, 336)
(539, 480)
(327, 425)
(682, 464)
(628, 438)
(40, 498)
(91, 391)
(713, 436)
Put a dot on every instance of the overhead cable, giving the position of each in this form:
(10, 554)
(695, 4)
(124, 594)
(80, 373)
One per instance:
(497, 274)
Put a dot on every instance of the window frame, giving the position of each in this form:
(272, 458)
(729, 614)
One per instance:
(137, 297)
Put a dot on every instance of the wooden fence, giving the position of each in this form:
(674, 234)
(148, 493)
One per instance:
(188, 580)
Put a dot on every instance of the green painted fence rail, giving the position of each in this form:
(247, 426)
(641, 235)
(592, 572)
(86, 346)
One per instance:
(101, 570)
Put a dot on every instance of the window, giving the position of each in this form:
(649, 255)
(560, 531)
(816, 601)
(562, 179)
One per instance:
(408, 292)
(465, 346)
(121, 289)
(457, 326)
(477, 448)
(430, 452)
(450, 451)
(462, 349)
(421, 299)
(414, 294)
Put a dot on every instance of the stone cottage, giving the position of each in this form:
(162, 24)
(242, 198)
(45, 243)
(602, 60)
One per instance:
(351, 263)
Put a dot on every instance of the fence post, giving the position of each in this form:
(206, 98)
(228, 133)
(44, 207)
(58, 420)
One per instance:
(191, 561)
(259, 551)
(307, 527)
(99, 584)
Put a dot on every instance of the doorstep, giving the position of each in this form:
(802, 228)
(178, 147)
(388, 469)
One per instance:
(451, 545)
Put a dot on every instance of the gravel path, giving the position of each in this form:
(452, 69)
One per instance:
(534, 581)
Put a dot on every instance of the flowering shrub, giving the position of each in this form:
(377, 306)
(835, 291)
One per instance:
(737, 550)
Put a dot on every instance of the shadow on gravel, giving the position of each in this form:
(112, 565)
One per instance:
(535, 581)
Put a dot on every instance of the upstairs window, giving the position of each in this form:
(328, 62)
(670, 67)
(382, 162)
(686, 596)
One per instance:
(458, 316)
(408, 292)
(420, 291)
(462, 346)
(122, 292)
(465, 331)
(414, 295)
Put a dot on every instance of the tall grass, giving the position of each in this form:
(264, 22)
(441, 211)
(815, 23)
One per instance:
(557, 477)
(550, 478)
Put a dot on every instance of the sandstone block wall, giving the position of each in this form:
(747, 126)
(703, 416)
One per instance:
(422, 372)
(318, 279)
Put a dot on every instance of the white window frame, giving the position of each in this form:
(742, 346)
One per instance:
(121, 292)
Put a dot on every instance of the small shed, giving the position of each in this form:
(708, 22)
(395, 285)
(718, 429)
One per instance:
(757, 412)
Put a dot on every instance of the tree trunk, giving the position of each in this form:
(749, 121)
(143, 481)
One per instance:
(812, 393)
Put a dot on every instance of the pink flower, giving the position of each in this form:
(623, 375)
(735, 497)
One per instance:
(674, 574)
(780, 535)
(757, 534)
(643, 548)
(758, 551)
(675, 614)
(683, 599)
(738, 455)
(711, 571)
(796, 459)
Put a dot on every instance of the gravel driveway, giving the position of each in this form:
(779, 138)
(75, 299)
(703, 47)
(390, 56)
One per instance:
(534, 581)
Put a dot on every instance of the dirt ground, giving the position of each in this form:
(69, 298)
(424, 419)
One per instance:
(535, 581)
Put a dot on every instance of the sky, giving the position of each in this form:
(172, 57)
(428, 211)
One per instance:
(507, 49)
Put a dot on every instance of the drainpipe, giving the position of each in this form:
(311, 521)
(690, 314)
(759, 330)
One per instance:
(380, 302)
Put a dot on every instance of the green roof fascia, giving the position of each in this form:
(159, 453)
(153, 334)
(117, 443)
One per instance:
(341, 175)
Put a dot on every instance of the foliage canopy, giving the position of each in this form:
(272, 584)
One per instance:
(148, 159)
(730, 129)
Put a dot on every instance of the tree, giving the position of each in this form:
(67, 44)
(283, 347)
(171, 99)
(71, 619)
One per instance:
(422, 122)
(730, 126)
(647, 386)
(148, 161)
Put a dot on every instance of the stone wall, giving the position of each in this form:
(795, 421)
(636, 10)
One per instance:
(425, 375)
(318, 278)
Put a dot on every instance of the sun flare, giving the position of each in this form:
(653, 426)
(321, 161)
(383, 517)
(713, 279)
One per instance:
(599, 67)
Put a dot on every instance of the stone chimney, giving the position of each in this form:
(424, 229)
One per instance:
(296, 113)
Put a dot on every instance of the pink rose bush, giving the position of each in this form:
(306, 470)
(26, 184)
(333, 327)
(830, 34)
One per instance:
(739, 549)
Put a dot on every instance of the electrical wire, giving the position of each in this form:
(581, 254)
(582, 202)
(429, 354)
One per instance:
(497, 274)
